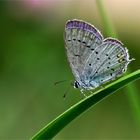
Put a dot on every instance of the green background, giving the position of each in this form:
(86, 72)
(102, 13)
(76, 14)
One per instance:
(32, 59)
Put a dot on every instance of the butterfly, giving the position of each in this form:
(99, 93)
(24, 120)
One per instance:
(93, 60)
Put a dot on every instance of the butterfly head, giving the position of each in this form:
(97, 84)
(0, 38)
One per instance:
(76, 84)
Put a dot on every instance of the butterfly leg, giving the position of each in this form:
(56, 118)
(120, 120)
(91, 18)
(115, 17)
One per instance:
(82, 92)
(102, 86)
(91, 92)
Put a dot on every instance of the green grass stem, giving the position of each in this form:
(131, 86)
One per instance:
(131, 89)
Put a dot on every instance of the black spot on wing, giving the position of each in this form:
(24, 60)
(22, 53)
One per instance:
(96, 52)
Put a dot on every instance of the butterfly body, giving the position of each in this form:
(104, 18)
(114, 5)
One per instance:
(93, 59)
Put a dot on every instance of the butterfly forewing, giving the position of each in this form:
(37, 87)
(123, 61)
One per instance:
(81, 39)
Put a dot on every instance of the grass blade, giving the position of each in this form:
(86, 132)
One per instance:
(50, 130)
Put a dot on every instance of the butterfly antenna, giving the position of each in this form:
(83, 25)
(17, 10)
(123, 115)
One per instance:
(66, 92)
(58, 82)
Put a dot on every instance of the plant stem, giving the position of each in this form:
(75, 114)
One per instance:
(132, 92)
(108, 26)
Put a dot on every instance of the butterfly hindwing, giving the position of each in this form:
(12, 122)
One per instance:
(107, 62)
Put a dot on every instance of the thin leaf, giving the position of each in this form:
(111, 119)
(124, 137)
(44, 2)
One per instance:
(50, 130)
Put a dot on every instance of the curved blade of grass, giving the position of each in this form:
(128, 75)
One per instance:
(50, 130)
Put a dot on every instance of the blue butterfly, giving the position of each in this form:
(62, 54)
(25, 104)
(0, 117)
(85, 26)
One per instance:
(93, 59)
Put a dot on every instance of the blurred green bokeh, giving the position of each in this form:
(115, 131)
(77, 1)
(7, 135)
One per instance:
(32, 59)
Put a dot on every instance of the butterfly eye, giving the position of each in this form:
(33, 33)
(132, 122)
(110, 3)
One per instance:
(76, 84)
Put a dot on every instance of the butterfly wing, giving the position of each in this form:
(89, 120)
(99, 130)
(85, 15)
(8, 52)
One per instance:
(108, 61)
(81, 39)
